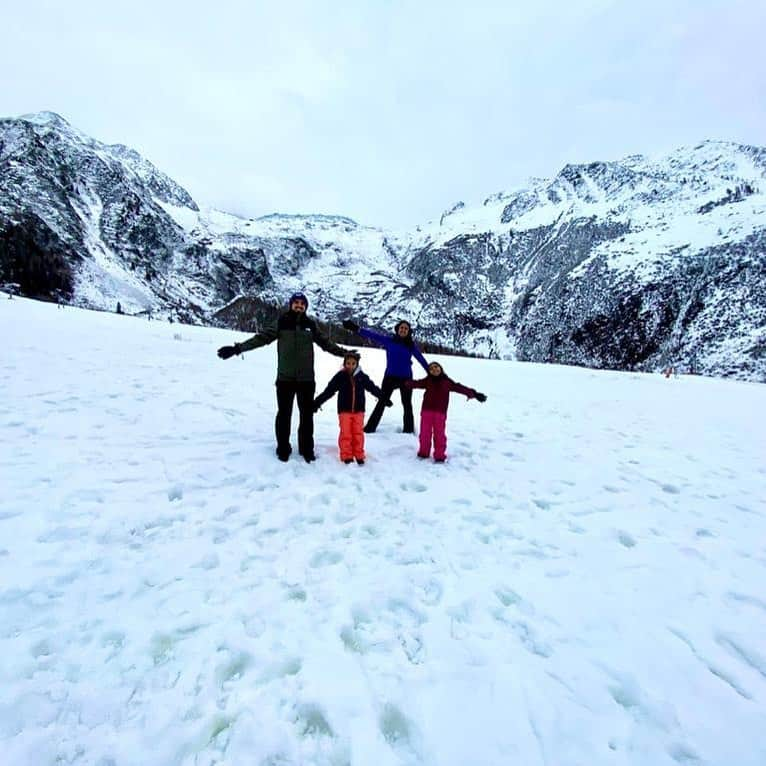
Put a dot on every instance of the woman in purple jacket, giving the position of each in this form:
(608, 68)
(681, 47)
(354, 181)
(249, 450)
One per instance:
(400, 348)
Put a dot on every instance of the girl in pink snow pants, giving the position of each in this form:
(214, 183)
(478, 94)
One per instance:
(433, 414)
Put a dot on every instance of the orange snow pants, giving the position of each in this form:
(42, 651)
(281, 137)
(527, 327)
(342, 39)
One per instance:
(351, 438)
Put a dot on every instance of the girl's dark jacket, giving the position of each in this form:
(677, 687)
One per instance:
(438, 387)
(296, 335)
(350, 389)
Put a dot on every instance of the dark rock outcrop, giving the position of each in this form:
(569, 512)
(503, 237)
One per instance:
(34, 257)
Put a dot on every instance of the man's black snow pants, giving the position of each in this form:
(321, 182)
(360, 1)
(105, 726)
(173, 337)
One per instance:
(388, 386)
(304, 392)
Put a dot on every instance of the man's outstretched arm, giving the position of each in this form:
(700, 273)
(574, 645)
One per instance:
(263, 338)
(326, 344)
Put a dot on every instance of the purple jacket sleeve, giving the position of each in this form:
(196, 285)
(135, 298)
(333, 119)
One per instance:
(379, 338)
(415, 383)
(419, 356)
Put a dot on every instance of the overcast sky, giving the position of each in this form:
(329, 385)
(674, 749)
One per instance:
(388, 112)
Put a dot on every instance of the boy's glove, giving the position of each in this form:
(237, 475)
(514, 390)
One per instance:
(350, 325)
(227, 351)
(317, 407)
(481, 397)
(389, 403)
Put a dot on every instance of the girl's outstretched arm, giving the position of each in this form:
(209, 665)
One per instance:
(415, 383)
(459, 388)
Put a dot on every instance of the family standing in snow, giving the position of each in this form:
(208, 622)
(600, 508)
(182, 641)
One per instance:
(296, 333)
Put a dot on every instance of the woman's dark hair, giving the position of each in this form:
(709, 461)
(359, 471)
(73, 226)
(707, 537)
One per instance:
(407, 341)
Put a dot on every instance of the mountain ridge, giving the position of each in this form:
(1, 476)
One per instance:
(632, 264)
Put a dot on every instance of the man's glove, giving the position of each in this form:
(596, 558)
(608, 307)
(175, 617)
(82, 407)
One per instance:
(481, 397)
(317, 407)
(351, 325)
(228, 351)
(389, 403)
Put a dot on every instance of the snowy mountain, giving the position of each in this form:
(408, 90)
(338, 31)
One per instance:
(634, 264)
(173, 595)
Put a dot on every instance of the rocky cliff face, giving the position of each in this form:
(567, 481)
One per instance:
(630, 265)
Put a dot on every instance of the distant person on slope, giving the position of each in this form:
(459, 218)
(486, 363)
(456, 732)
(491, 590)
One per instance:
(295, 334)
(350, 384)
(433, 414)
(400, 348)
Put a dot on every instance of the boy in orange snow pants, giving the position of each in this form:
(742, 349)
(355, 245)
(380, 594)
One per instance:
(350, 384)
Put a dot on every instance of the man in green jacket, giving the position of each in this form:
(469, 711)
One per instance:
(295, 334)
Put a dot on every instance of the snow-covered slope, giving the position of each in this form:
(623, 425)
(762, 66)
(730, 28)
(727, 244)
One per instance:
(635, 264)
(581, 583)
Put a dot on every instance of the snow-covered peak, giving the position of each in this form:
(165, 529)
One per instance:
(48, 119)
(46, 123)
(43, 118)
(30, 136)
(323, 218)
(598, 187)
(162, 186)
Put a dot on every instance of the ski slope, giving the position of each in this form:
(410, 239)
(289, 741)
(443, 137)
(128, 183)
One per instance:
(582, 583)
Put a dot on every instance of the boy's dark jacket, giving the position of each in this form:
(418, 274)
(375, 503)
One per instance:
(438, 387)
(296, 335)
(350, 389)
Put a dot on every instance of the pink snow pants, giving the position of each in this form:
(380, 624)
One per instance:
(433, 425)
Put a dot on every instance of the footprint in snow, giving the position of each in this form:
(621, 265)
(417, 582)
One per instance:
(230, 511)
(175, 492)
(312, 721)
(296, 593)
(576, 528)
(625, 539)
(211, 561)
(682, 753)
(432, 592)
(745, 654)
(288, 666)
(398, 731)
(530, 640)
(507, 596)
(233, 668)
(325, 558)
(746, 598)
(413, 486)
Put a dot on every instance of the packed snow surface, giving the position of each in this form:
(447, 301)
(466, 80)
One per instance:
(582, 583)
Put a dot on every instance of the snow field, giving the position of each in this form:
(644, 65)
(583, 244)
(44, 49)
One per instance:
(581, 583)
